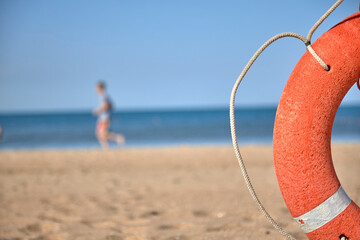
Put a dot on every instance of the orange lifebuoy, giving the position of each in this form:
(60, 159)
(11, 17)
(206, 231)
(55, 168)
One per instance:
(302, 135)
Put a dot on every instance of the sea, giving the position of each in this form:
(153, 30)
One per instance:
(156, 128)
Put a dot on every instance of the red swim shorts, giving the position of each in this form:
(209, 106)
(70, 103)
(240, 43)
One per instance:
(102, 126)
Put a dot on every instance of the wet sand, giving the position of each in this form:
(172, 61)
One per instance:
(178, 193)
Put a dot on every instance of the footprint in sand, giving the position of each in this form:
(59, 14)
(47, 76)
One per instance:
(61, 209)
(181, 237)
(46, 231)
(41, 228)
(200, 213)
(59, 236)
(86, 223)
(103, 205)
(130, 217)
(49, 217)
(214, 229)
(167, 227)
(152, 213)
(247, 219)
(113, 237)
(16, 238)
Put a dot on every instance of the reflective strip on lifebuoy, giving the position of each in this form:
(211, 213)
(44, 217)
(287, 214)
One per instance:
(325, 212)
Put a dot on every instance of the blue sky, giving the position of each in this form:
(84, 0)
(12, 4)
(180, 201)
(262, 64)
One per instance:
(152, 54)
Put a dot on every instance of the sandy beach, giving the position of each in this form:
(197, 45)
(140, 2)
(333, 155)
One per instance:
(177, 193)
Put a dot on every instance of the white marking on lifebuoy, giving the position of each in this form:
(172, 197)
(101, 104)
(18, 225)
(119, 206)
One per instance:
(325, 212)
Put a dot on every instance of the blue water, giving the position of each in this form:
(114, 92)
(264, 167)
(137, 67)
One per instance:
(157, 128)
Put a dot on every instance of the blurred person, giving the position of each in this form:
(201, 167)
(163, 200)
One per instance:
(104, 112)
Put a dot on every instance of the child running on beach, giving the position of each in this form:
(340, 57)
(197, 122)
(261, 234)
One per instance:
(104, 112)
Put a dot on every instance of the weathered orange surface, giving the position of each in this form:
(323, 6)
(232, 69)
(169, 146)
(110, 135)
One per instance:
(303, 124)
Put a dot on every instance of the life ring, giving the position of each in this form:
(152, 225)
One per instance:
(302, 135)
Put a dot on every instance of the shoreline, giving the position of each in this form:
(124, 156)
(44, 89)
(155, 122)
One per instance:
(159, 146)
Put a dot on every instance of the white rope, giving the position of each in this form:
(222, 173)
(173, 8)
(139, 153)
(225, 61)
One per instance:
(312, 30)
(317, 58)
(232, 107)
(323, 17)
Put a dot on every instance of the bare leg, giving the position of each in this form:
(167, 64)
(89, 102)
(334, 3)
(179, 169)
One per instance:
(120, 139)
(102, 137)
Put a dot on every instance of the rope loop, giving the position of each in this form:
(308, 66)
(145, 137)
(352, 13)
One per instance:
(307, 42)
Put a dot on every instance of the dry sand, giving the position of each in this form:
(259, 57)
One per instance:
(166, 193)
